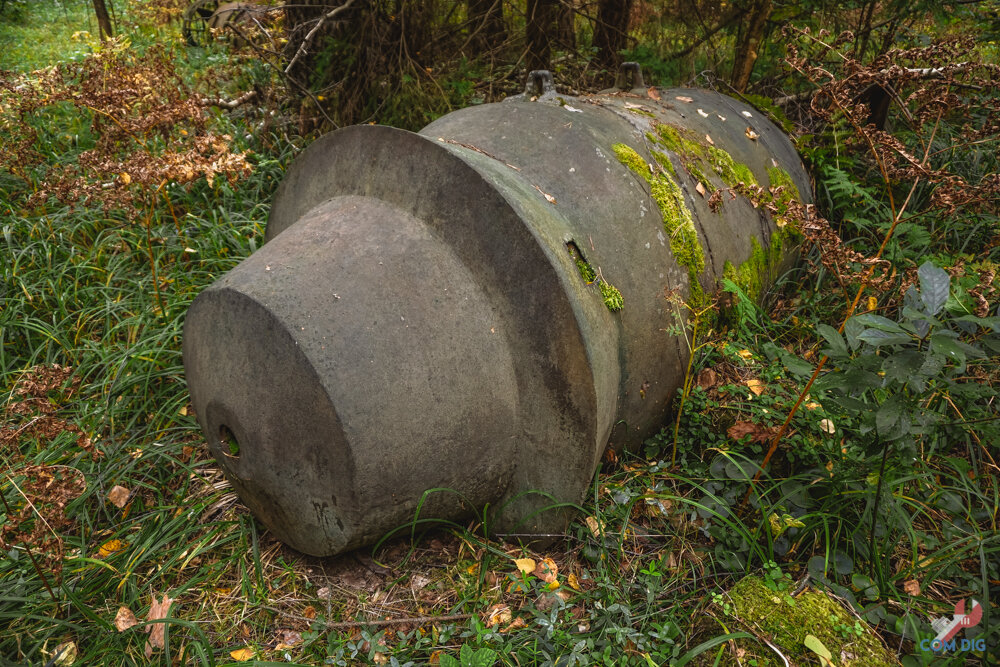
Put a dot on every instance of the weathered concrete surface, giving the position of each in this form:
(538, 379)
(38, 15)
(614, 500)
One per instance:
(415, 339)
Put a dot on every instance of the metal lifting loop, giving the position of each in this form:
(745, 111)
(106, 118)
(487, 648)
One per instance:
(539, 83)
(629, 77)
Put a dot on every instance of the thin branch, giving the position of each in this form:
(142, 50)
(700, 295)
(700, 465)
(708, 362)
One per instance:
(312, 33)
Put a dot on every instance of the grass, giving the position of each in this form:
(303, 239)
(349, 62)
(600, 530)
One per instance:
(644, 576)
(43, 33)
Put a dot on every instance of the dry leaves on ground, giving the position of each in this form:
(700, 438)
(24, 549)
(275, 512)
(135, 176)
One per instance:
(157, 611)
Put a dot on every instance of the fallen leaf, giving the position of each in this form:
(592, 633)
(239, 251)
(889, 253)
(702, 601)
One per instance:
(756, 432)
(111, 547)
(287, 639)
(682, 98)
(183, 411)
(756, 386)
(118, 496)
(157, 611)
(241, 654)
(827, 425)
(515, 624)
(526, 565)
(546, 570)
(419, 581)
(872, 303)
(912, 587)
(572, 581)
(499, 614)
(323, 593)
(703, 114)
(596, 527)
(814, 644)
(746, 354)
(549, 198)
(700, 189)
(812, 405)
(125, 619)
(309, 612)
(380, 658)
(63, 654)
(751, 135)
(653, 93)
(707, 378)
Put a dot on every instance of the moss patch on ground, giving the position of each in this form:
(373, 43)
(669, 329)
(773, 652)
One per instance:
(787, 621)
(677, 219)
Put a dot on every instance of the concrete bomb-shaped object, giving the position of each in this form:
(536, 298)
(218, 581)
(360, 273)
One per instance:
(460, 320)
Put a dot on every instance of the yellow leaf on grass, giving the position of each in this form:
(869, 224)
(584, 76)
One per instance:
(573, 582)
(746, 354)
(596, 528)
(756, 386)
(111, 547)
(242, 654)
(526, 565)
(872, 303)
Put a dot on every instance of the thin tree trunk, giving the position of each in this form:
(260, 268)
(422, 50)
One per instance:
(103, 19)
(746, 50)
(539, 31)
(566, 25)
(611, 31)
(486, 23)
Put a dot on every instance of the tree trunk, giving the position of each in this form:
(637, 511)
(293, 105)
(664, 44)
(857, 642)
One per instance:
(103, 19)
(746, 48)
(486, 24)
(566, 25)
(611, 31)
(539, 30)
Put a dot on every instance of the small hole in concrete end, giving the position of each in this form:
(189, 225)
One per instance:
(230, 445)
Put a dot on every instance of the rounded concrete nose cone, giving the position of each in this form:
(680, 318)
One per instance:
(345, 372)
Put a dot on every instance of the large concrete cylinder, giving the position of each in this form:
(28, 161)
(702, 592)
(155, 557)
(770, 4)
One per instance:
(432, 328)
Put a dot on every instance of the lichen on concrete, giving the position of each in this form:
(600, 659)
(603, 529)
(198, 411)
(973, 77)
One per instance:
(786, 621)
(677, 219)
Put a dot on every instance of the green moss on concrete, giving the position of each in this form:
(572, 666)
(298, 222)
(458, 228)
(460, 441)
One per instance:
(731, 171)
(609, 293)
(761, 266)
(677, 219)
(786, 622)
(781, 178)
(677, 140)
(612, 297)
(694, 168)
(628, 157)
(664, 161)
